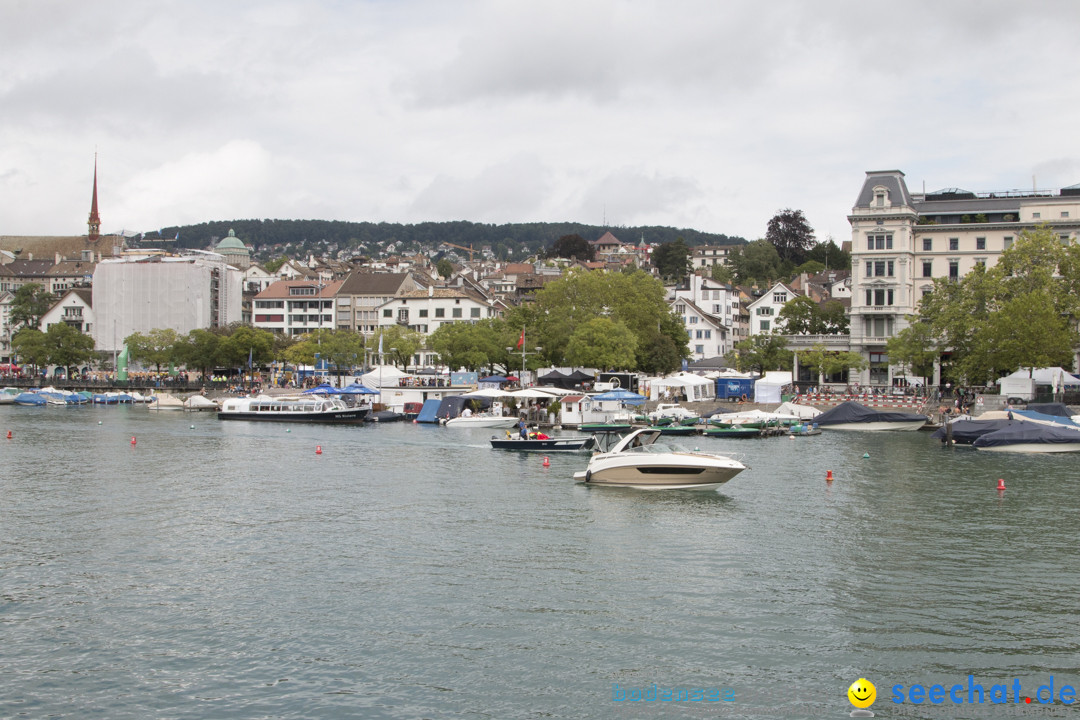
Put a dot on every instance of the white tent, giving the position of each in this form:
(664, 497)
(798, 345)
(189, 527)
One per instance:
(767, 389)
(1054, 376)
(384, 376)
(695, 386)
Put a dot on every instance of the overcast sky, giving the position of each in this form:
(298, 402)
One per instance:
(705, 114)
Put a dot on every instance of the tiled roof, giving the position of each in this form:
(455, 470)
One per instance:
(281, 288)
(361, 283)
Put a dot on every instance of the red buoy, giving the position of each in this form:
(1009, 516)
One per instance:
(318, 449)
(828, 476)
(133, 440)
(1001, 484)
(8, 434)
(547, 463)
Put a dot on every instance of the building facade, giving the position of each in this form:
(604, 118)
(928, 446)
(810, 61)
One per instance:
(901, 242)
(295, 307)
(143, 293)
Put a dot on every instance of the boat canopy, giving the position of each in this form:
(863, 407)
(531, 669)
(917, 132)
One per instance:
(966, 431)
(1052, 408)
(853, 412)
(1028, 433)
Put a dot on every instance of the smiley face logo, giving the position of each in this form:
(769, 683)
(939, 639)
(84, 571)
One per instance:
(862, 693)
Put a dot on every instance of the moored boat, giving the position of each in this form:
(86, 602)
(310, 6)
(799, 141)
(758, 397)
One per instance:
(482, 420)
(549, 444)
(851, 415)
(310, 409)
(1030, 437)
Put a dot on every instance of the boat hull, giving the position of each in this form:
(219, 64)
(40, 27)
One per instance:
(674, 472)
(481, 421)
(343, 417)
(877, 426)
(1033, 448)
(565, 444)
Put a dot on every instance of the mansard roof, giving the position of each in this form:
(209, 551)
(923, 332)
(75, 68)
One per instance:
(891, 180)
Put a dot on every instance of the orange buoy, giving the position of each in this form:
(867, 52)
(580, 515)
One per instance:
(547, 463)
(132, 440)
(828, 476)
(318, 449)
(8, 434)
(1001, 484)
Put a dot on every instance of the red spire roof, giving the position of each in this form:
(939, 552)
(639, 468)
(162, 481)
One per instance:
(95, 220)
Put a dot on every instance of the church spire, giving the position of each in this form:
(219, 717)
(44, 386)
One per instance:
(95, 221)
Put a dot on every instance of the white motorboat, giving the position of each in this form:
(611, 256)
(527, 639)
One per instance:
(198, 402)
(638, 461)
(482, 420)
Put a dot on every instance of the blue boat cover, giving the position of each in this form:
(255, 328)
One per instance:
(1028, 432)
(1058, 409)
(853, 412)
(451, 406)
(1060, 420)
(430, 412)
(964, 432)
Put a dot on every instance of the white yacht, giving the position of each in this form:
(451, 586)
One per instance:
(638, 461)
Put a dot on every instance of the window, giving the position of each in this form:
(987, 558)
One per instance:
(879, 297)
(699, 349)
(1036, 215)
(716, 309)
(1064, 239)
(699, 334)
(440, 312)
(764, 325)
(693, 319)
(869, 268)
(1008, 243)
(474, 312)
(403, 315)
(457, 312)
(388, 313)
(928, 268)
(780, 298)
(708, 334)
(423, 313)
(928, 244)
(764, 311)
(980, 243)
(1064, 213)
(954, 269)
(879, 242)
(954, 244)
(302, 291)
(981, 262)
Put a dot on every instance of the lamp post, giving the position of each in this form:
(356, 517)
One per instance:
(524, 353)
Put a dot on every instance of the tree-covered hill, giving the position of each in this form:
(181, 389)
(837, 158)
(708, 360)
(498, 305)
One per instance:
(515, 240)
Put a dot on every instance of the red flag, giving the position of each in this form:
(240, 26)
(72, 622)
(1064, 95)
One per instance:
(521, 340)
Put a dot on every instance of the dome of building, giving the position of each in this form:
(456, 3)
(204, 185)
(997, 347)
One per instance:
(235, 252)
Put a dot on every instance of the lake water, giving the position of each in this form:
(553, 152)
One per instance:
(224, 570)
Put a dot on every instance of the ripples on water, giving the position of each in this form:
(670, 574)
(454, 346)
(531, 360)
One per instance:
(225, 570)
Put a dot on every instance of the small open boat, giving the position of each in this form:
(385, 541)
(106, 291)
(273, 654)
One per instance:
(554, 444)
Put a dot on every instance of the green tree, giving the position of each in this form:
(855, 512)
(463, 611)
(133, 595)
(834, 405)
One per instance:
(472, 347)
(67, 346)
(444, 267)
(913, 348)
(272, 266)
(830, 362)
(29, 346)
(830, 255)
(757, 260)
(762, 352)
(246, 342)
(672, 260)
(199, 350)
(790, 234)
(658, 355)
(30, 303)
(400, 344)
(602, 343)
(722, 273)
(802, 316)
(157, 347)
(637, 300)
(572, 246)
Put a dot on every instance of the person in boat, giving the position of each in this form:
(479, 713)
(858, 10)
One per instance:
(467, 412)
(523, 429)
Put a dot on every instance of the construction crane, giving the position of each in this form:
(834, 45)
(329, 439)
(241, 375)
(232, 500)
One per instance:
(461, 247)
